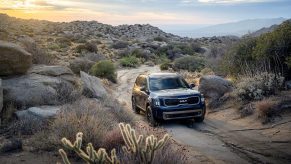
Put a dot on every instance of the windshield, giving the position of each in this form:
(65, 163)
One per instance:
(167, 83)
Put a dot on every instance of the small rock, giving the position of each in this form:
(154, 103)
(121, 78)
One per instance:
(11, 145)
(213, 86)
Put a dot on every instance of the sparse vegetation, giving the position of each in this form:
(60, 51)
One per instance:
(266, 109)
(39, 55)
(129, 61)
(257, 86)
(190, 63)
(165, 66)
(120, 44)
(104, 69)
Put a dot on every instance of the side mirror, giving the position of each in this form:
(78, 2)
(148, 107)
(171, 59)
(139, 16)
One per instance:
(192, 86)
(144, 89)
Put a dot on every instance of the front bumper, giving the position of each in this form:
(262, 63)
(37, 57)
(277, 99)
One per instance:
(187, 114)
(179, 112)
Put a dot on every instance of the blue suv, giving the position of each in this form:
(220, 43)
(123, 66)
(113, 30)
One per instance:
(167, 96)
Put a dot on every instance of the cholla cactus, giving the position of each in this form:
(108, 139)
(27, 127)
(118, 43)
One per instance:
(92, 156)
(135, 145)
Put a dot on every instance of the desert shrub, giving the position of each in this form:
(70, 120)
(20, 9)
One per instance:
(94, 57)
(104, 69)
(66, 93)
(7, 114)
(256, 87)
(96, 119)
(86, 47)
(190, 63)
(160, 39)
(207, 71)
(129, 61)
(27, 126)
(247, 110)
(39, 55)
(165, 66)
(63, 42)
(81, 64)
(91, 46)
(269, 51)
(119, 45)
(266, 109)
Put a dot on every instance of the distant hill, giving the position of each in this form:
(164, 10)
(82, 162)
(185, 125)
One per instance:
(263, 30)
(235, 28)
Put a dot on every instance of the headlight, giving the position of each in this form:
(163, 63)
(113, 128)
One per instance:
(156, 102)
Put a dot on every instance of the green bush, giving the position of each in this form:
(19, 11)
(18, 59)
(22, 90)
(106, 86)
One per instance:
(119, 45)
(258, 86)
(190, 63)
(104, 69)
(267, 52)
(129, 61)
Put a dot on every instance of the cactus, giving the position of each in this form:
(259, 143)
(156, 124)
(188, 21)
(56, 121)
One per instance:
(143, 149)
(145, 153)
(92, 156)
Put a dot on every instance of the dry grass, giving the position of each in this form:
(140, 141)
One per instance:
(247, 110)
(7, 114)
(97, 119)
(267, 109)
(39, 55)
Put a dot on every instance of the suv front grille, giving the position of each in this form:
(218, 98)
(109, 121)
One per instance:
(179, 101)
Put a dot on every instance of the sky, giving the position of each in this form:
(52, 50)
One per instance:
(155, 12)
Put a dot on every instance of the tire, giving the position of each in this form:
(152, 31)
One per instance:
(150, 117)
(201, 118)
(134, 107)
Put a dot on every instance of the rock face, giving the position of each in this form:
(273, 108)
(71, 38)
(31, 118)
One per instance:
(214, 86)
(37, 88)
(42, 112)
(93, 86)
(13, 59)
(62, 72)
(1, 96)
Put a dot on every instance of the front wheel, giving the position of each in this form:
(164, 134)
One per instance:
(150, 117)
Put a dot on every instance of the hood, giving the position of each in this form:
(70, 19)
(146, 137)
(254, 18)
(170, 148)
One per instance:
(174, 93)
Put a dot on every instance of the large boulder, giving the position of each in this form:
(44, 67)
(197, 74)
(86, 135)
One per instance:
(93, 86)
(1, 96)
(62, 72)
(13, 59)
(34, 90)
(42, 112)
(213, 86)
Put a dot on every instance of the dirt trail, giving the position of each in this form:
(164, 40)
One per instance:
(215, 140)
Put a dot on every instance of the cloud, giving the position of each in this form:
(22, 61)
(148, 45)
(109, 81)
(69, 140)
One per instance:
(232, 1)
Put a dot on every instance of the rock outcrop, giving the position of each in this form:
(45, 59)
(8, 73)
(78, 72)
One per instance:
(45, 85)
(42, 112)
(61, 72)
(13, 59)
(213, 86)
(92, 86)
